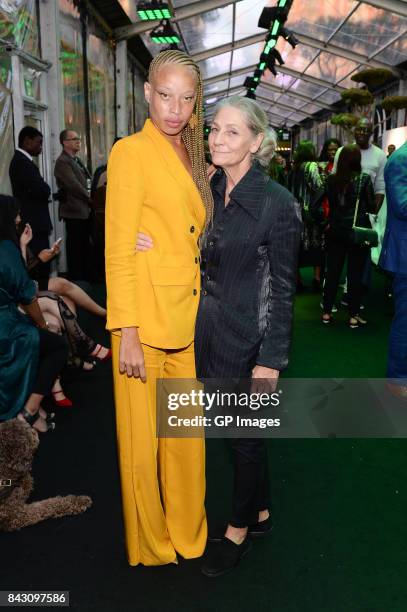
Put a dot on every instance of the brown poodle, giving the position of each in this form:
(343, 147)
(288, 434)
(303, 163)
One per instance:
(18, 443)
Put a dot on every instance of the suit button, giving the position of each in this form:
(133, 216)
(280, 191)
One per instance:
(204, 292)
(192, 229)
(196, 259)
(208, 277)
(211, 243)
(195, 292)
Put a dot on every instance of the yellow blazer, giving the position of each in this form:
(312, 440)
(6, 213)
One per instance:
(149, 190)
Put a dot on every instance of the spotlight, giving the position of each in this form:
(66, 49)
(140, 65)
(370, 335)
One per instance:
(289, 37)
(150, 11)
(250, 83)
(164, 35)
(269, 61)
(276, 56)
(272, 14)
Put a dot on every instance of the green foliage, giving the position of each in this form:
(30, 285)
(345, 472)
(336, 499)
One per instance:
(394, 103)
(345, 120)
(373, 77)
(357, 96)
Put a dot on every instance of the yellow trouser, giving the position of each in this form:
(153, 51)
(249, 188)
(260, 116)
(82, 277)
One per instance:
(162, 480)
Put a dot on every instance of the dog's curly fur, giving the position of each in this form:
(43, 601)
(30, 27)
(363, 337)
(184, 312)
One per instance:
(18, 443)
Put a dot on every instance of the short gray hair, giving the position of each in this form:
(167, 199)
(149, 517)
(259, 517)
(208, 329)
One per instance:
(257, 121)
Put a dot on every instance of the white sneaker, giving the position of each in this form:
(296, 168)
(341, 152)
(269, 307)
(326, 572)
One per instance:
(334, 308)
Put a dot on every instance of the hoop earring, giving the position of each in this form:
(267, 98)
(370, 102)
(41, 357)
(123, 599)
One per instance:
(193, 122)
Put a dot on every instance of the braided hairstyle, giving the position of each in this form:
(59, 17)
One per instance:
(192, 134)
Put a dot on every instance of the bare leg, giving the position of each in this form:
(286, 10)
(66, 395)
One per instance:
(67, 289)
(51, 314)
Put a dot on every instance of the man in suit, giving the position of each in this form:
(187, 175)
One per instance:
(394, 259)
(73, 180)
(32, 192)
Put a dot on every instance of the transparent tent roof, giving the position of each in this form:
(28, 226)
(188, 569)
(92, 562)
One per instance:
(336, 39)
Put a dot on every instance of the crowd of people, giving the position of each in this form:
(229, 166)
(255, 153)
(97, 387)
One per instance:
(202, 266)
(38, 318)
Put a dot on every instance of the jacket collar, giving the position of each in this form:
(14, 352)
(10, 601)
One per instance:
(248, 192)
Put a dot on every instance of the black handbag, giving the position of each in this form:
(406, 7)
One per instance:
(362, 236)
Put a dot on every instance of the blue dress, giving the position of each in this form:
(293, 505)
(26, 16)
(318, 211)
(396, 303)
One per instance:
(19, 339)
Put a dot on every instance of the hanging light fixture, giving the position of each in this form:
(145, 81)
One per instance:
(151, 11)
(165, 34)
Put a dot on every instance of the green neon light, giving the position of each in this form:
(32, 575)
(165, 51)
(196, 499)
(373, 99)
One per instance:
(276, 27)
(282, 3)
(255, 79)
(143, 15)
(262, 66)
(166, 14)
(150, 14)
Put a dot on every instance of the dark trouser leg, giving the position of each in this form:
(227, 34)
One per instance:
(77, 247)
(335, 258)
(357, 257)
(52, 358)
(250, 481)
(39, 242)
(397, 360)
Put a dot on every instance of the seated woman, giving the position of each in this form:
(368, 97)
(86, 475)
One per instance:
(59, 303)
(31, 357)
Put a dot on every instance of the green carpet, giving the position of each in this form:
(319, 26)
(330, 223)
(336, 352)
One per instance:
(339, 506)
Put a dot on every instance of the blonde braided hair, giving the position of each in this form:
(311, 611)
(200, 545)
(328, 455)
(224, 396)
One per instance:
(192, 134)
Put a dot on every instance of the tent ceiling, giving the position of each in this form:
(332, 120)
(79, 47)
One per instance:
(337, 38)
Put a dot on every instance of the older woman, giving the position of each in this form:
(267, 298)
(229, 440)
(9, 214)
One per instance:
(243, 328)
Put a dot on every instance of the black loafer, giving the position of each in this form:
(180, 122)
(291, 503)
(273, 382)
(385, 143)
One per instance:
(221, 557)
(261, 529)
(256, 530)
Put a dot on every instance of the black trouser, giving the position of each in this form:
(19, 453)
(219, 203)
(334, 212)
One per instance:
(77, 248)
(251, 490)
(52, 358)
(337, 250)
(39, 242)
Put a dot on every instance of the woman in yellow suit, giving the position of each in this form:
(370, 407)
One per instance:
(157, 184)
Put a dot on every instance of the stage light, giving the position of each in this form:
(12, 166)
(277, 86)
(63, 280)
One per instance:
(276, 55)
(164, 35)
(270, 61)
(271, 14)
(150, 11)
(250, 83)
(289, 37)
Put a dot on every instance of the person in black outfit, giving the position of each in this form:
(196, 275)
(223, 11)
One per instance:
(343, 189)
(243, 327)
(32, 192)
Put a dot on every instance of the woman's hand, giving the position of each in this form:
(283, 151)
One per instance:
(131, 356)
(264, 380)
(144, 242)
(26, 236)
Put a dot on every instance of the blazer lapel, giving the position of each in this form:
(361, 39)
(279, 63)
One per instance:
(176, 169)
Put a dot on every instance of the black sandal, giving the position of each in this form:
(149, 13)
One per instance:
(33, 418)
